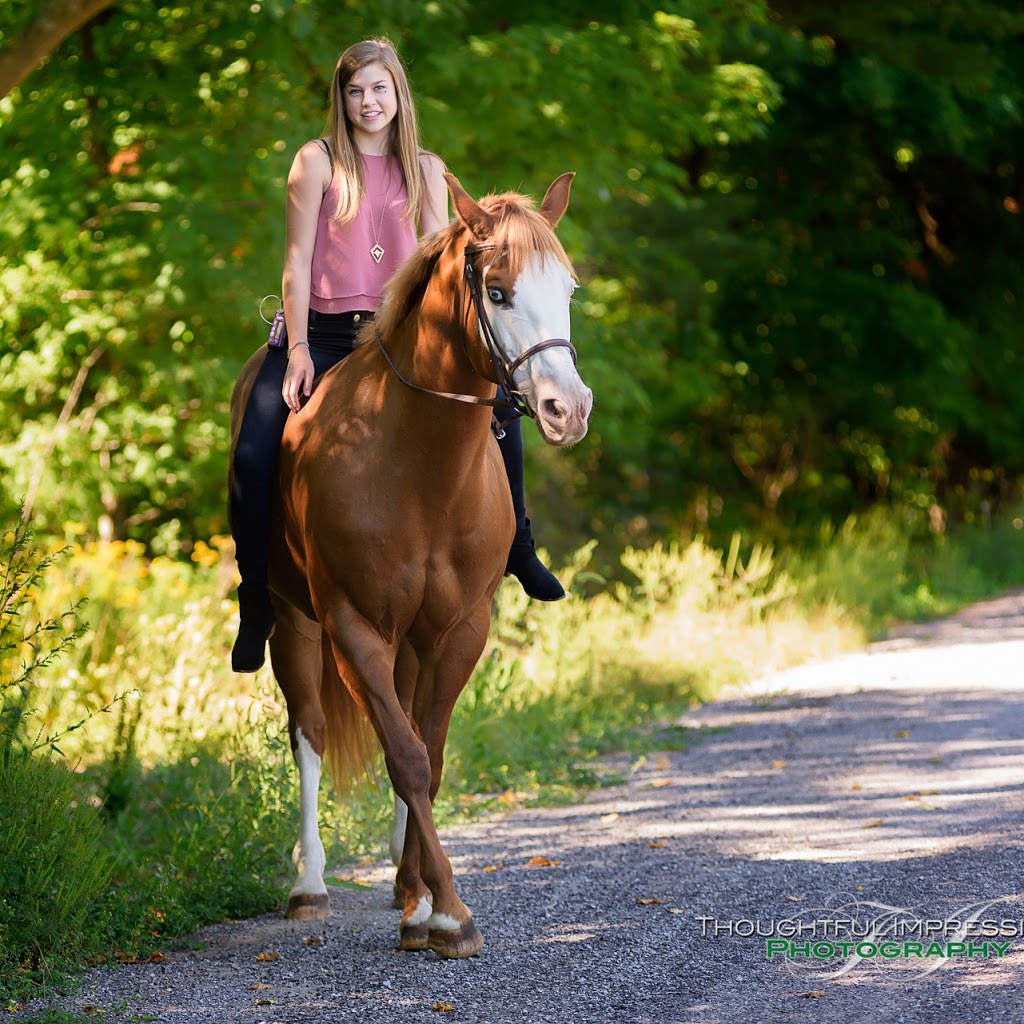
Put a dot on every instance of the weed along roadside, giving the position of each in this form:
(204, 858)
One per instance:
(180, 776)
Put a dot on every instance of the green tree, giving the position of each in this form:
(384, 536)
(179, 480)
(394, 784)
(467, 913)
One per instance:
(139, 182)
(871, 339)
(144, 170)
(831, 304)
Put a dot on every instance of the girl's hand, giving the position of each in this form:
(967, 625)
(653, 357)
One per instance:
(298, 378)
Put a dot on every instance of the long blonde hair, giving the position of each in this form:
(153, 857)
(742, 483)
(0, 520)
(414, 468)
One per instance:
(403, 131)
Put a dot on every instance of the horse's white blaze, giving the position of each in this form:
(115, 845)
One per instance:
(422, 912)
(308, 856)
(549, 379)
(443, 923)
(540, 302)
(398, 830)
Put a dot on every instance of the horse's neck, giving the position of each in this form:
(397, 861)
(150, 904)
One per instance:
(430, 348)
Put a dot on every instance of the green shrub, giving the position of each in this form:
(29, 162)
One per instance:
(860, 569)
(53, 872)
(202, 838)
(53, 867)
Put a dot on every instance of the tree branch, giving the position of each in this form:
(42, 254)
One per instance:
(58, 431)
(56, 20)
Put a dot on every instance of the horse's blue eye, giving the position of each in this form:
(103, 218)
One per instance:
(495, 295)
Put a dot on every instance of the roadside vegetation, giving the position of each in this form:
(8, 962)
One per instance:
(148, 791)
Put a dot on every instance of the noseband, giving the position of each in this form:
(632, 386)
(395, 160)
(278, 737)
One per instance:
(504, 368)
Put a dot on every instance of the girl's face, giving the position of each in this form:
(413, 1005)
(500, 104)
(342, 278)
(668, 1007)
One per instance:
(371, 105)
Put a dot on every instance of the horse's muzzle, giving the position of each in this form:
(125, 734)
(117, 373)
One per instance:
(562, 416)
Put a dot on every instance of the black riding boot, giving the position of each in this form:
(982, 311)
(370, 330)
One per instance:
(255, 627)
(523, 562)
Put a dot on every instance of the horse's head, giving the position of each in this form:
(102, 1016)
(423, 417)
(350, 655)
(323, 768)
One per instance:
(523, 281)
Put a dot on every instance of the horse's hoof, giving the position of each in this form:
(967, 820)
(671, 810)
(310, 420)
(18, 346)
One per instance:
(305, 906)
(413, 937)
(454, 945)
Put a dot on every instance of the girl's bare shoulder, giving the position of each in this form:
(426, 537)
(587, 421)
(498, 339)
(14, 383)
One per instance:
(312, 164)
(431, 164)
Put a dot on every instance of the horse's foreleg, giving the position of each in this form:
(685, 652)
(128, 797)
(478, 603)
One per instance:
(296, 655)
(371, 666)
(437, 690)
(438, 915)
(411, 894)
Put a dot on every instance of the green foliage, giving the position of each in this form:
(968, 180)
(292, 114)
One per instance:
(203, 837)
(53, 871)
(877, 570)
(867, 331)
(862, 567)
(125, 238)
(144, 170)
(28, 642)
(119, 857)
(53, 867)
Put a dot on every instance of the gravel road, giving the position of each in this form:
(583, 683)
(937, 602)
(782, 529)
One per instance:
(804, 807)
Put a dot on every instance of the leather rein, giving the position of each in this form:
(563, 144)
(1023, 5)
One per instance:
(504, 367)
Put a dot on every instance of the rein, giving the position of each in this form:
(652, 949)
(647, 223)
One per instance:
(504, 368)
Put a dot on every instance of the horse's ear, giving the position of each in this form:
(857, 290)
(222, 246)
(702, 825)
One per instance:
(480, 223)
(556, 199)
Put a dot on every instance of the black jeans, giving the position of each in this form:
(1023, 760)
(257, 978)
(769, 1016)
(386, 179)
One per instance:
(331, 337)
(254, 468)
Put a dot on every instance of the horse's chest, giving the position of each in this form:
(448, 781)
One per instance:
(446, 586)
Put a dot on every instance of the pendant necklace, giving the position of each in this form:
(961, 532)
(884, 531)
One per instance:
(377, 252)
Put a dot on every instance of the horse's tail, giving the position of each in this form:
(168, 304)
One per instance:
(350, 743)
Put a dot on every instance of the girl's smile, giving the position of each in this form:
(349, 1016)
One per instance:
(371, 105)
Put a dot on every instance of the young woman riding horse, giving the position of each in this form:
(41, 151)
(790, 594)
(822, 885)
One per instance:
(354, 201)
(392, 523)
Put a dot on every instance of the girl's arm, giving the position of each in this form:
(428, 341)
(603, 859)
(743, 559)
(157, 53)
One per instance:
(308, 179)
(434, 205)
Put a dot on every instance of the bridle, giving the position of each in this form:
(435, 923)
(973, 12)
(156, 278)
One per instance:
(504, 368)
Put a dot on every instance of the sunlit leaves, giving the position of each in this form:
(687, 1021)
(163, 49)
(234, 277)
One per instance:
(796, 234)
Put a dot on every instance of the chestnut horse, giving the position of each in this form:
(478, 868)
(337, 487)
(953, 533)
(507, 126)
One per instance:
(393, 522)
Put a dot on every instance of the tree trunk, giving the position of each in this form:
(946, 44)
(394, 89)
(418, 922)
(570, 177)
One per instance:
(56, 20)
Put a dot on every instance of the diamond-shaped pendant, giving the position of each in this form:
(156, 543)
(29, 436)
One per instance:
(377, 253)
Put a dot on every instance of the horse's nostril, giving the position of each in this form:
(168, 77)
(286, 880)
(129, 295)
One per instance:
(553, 409)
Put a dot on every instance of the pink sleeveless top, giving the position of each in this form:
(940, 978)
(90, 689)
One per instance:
(345, 276)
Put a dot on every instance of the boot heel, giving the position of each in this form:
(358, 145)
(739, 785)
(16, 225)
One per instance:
(534, 576)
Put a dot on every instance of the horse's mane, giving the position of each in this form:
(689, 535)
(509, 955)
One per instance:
(520, 231)
(406, 286)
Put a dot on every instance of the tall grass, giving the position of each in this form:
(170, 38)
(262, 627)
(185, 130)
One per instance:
(875, 568)
(51, 869)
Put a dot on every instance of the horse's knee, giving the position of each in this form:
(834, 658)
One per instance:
(409, 772)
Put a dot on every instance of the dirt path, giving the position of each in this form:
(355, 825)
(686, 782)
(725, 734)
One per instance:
(891, 778)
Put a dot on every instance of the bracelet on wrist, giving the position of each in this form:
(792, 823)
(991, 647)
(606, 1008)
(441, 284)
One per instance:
(296, 344)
